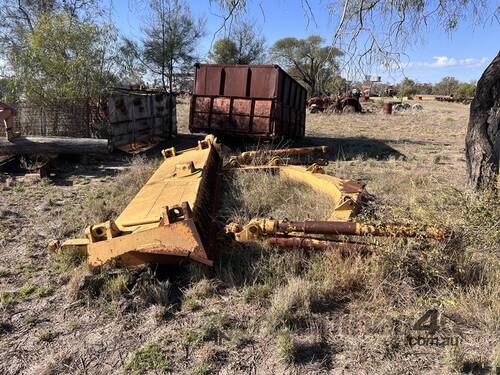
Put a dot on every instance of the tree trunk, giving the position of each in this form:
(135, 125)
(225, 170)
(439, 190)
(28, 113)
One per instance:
(483, 134)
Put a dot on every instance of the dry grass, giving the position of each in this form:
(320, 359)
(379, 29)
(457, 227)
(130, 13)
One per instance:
(263, 310)
(197, 292)
(291, 303)
(252, 194)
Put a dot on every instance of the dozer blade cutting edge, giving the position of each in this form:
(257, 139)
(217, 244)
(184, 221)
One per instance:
(169, 219)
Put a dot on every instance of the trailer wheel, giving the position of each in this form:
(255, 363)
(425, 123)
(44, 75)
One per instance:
(349, 109)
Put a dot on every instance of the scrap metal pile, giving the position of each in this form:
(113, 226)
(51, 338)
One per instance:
(451, 99)
(343, 103)
(172, 217)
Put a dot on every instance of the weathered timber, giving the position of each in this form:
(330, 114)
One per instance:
(53, 145)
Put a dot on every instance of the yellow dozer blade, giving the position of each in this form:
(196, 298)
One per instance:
(169, 219)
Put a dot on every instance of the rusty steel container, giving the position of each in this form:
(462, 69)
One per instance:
(388, 108)
(255, 101)
(137, 116)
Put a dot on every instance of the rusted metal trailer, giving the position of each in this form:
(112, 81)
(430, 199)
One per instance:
(254, 101)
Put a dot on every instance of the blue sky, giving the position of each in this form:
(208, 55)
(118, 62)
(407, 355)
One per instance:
(463, 54)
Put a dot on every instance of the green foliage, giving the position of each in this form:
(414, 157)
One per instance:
(407, 88)
(286, 346)
(9, 90)
(201, 369)
(148, 358)
(26, 290)
(243, 45)
(130, 70)
(212, 328)
(423, 88)
(291, 303)
(46, 335)
(258, 293)
(224, 51)
(116, 285)
(308, 61)
(44, 291)
(335, 85)
(7, 298)
(465, 90)
(4, 272)
(66, 261)
(447, 86)
(63, 60)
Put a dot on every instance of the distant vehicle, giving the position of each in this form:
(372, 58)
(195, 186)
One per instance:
(344, 103)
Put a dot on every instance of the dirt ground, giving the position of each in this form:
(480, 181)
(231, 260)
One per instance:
(344, 315)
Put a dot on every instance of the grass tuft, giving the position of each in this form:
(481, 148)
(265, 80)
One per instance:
(258, 293)
(67, 261)
(152, 357)
(291, 303)
(116, 285)
(286, 347)
(200, 290)
(4, 272)
(253, 194)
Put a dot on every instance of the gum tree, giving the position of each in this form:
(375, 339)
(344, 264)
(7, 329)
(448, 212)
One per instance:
(170, 39)
(243, 44)
(307, 60)
(63, 58)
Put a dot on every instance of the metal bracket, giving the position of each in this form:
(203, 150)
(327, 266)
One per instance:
(168, 153)
(102, 232)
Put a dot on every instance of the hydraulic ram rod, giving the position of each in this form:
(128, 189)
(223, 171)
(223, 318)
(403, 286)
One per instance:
(357, 229)
(263, 227)
(250, 155)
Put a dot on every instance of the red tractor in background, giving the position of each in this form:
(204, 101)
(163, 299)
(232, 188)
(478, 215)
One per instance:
(343, 103)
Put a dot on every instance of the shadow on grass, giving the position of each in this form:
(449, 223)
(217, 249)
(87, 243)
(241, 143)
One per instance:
(479, 368)
(340, 148)
(314, 352)
(352, 148)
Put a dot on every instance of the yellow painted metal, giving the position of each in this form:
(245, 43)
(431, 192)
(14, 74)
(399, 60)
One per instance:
(248, 156)
(159, 224)
(259, 228)
(180, 239)
(74, 245)
(165, 188)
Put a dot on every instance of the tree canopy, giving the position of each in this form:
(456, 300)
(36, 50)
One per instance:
(63, 59)
(465, 91)
(407, 87)
(447, 86)
(243, 45)
(168, 48)
(307, 60)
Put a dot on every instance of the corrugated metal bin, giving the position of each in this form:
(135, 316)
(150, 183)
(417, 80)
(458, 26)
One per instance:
(259, 101)
(137, 116)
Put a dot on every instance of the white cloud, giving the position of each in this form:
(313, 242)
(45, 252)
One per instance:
(448, 62)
